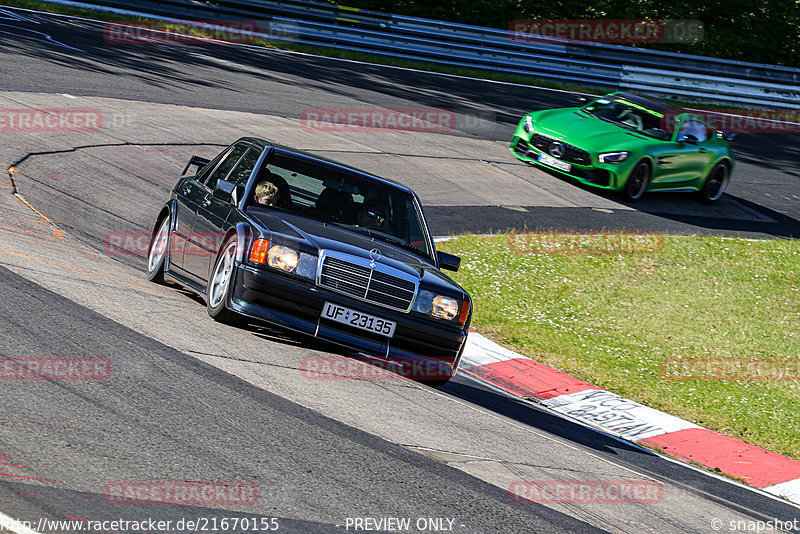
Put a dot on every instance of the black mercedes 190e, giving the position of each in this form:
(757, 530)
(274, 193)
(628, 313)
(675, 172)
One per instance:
(277, 234)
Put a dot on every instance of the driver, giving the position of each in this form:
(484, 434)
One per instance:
(267, 193)
(371, 214)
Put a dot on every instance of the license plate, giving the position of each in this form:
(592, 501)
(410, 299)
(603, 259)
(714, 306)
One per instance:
(357, 319)
(555, 163)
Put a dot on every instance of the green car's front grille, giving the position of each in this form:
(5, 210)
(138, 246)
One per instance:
(572, 153)
(599, 177)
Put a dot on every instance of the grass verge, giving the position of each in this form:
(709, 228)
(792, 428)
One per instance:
(705, 328)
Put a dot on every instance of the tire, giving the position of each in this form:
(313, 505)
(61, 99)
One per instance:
(434, 383)
(219, 283)
(715, 184)
(158, 251)
(637, 182)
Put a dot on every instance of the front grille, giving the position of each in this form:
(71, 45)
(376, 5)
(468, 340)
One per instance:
(572, 153)
(370, 284)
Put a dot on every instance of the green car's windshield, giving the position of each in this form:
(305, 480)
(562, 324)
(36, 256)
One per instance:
(632, 116)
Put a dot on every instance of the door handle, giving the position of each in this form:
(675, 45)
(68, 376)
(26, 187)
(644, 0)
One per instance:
(206, 202)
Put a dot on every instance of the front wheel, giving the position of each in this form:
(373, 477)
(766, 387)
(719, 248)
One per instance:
(157, 253)
(715, 184)
(219, 284)
(637, 182)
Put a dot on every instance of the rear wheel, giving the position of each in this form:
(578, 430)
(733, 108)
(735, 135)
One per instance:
(157, 253)
(219, 284)
(637, 182)
(715, 184)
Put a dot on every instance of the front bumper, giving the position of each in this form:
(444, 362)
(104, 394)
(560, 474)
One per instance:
(297, 305)
(603, 176)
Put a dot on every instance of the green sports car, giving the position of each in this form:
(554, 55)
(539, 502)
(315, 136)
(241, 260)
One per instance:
(628, 144)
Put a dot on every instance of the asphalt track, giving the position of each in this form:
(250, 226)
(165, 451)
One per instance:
(191, 400)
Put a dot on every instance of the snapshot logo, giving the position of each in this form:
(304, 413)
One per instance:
(731, 369)
(586, 492)
(55, 368)
(585, 243)
(51, 120)
(182, 493)
(373, 119)
(352, 368)
(195, 32)
(607, 30)
(743, 120)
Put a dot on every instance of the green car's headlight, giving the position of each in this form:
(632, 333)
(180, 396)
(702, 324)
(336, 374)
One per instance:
(614, 157)
(528, 124)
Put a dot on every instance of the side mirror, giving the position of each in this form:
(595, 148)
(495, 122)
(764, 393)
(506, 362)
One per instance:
(728, 136)
(687, 138)
(198, 161)
(228, 191)
(448, 261)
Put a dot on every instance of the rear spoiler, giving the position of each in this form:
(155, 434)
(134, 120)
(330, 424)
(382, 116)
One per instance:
(196, 160)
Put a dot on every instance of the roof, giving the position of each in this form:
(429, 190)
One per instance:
(263, 143)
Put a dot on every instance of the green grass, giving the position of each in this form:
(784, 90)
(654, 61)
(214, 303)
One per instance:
(611, 318)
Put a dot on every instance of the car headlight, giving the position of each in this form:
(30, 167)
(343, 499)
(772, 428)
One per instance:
(442, 306)
(283, 258)
(528, 124)
(614, 157)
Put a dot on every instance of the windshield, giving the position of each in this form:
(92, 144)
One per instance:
(632, 116)
(341, 198)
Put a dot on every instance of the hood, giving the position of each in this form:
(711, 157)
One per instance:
(314, 235)
(585, 131)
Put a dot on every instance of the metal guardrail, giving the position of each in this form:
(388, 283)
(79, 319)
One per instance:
(593, 64)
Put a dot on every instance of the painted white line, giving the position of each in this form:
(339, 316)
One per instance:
(790, 490)
(12, 525)
(482, 351)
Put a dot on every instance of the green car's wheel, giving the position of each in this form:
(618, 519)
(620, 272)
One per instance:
(637, 182)
(219, 284)
(715, 184)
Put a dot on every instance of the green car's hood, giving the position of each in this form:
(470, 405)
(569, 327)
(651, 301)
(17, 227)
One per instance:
(586, 131)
